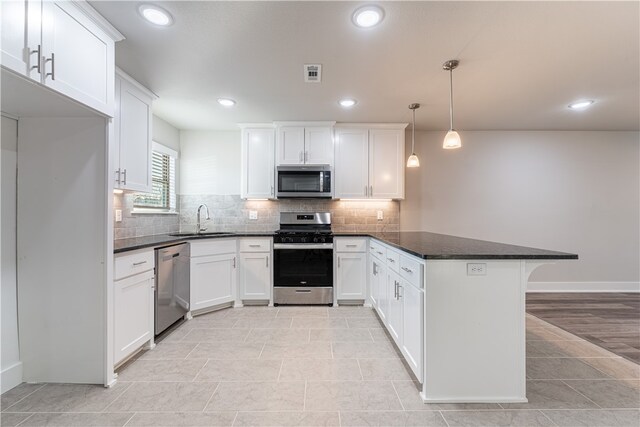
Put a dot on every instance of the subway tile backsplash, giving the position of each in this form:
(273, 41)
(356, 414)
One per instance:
(231, 213)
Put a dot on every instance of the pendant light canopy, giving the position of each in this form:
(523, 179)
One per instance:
(413, 161)
(452, 139)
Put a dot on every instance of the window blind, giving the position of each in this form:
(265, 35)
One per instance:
(163, 181)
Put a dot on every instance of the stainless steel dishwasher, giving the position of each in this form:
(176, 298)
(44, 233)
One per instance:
(172, 292)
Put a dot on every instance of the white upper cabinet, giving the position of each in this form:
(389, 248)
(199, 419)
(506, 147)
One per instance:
(132, 135)
(369, 161)
(386, 163)
(352, 168)
(309, 143)
(66, 46)
(257, 177)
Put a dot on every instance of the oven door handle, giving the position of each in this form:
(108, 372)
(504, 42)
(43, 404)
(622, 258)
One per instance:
(303, 246)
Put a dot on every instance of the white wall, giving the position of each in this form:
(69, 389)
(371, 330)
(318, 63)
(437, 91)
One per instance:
(165, 133)
(10, 364)
(568, 191)
(209, 162)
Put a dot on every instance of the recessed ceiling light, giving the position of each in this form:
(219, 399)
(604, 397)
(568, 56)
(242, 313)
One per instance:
(348, 102)
(580, 105)
(368, 16)
(226, 102)
(155, 14)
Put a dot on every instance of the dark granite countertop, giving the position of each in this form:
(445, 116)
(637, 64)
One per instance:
(442, 246)
(159, 240)
(421, 244)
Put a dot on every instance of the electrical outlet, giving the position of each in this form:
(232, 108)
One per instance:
(380, 215)
(118, 215)
(476, 269)
(253, 214)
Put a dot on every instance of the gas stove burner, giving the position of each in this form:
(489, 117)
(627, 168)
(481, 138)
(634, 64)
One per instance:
(304, 227)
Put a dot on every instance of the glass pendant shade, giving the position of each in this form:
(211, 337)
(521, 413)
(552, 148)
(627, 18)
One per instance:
(452, 140)
(413, 161)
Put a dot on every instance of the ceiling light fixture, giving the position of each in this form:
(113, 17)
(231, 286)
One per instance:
(155, 15)
(226, 102)
(451, 139)
(347, 102)
(413, 161)
(368, 16)
(581, 105)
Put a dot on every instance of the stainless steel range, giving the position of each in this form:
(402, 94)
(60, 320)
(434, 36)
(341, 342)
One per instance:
(303, 259)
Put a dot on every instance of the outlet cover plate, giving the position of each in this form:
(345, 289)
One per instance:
(253, 214)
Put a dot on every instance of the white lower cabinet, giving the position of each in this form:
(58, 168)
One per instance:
(351, 271)
(378, 286)
(213, 274)
(394, 314)
(413, 331)
(133, 294)
(255, 269)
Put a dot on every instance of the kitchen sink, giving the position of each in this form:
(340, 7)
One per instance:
(204, 233)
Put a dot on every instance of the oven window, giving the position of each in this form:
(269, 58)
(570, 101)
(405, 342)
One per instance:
(292, 267)
(303, 182)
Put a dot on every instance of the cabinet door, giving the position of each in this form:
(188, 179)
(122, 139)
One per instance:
(255, 276)
(318, 145)
(351, 163)
(21, 35)
(382, 279)
(80, 61)
(394, 312)
(412, 312)
(133, 314)
(133, 124)
(351, 276)
(290, 145)
(213, 280)
(372, 278)
(386, 164)
(258, 158)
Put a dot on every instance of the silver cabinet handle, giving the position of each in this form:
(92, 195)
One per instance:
(254, 246)
(408, 270)
(272, 190)
(366, 191)
(119, 174)
(38, 66)
(234, 262)
(399, 294)
(300, 157)
(371, 192)
(352, 246)
(338, 262)
(53, 66)
(306, 156)
(371, 247)
(124, 174)
(379, 253)
(375, 269)
(135, 264)
(395, 290)
(267, 258)
(391, 260)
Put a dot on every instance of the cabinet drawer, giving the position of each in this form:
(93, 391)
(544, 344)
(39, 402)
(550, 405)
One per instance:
(411, 270)
(393, 260)
(255, 245)
(351, 245)
(131, 263)
(213, 247)
(377, 250)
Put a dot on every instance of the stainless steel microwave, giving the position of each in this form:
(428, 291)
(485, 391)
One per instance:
(304, 182)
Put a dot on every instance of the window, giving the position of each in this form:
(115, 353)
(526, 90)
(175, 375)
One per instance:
(163, 181)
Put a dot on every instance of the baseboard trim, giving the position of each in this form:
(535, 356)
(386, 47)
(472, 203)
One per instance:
(583, 287)
(11, 377)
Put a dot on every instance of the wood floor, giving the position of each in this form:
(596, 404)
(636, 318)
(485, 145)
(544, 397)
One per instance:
(610, 320)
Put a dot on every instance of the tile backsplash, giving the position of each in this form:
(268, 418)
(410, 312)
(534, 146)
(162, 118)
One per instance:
(136, 225)
(231, 213)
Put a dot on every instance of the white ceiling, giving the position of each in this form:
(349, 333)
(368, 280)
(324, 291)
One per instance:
(521, 63)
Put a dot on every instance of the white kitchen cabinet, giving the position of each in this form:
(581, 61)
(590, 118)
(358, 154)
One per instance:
(132, 134)
(412, 332)
(351, 177)
(255, 269)
(383, 291)
(394, 309)
(299, 143)
(213, 273)
(257, 176)
(66, 46)
(369, 161)
(133, 303)
(351, 271)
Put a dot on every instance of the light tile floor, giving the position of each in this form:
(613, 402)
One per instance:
(311, 366)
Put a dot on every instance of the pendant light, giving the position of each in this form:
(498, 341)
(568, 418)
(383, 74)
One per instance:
(413, 161)
(452, 139)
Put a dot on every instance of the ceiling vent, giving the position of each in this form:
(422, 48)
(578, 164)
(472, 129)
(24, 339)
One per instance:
(312, 73)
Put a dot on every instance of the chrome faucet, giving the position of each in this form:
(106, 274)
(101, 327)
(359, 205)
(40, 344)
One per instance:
(199, 227)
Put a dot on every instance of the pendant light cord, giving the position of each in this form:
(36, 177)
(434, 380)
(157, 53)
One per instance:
(413, 133)
(451, 97)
